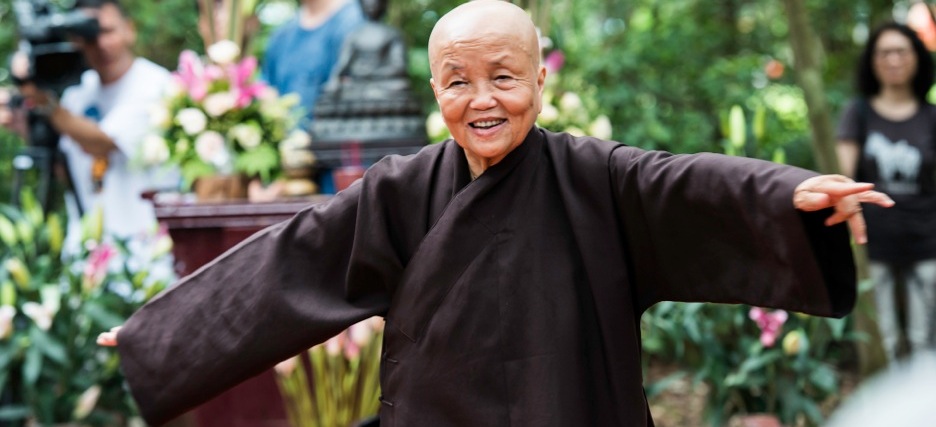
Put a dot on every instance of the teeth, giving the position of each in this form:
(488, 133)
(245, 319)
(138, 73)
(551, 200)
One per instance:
(487, 123)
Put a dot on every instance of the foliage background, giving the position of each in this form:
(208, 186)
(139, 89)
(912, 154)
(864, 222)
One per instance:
(668, 71)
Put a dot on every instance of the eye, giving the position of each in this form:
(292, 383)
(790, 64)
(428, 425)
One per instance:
(456, 83)
(503, 77)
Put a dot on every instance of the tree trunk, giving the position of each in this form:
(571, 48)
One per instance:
(807, 54)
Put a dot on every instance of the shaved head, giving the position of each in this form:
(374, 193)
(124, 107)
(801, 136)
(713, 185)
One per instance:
(487, 78)
(477, 21)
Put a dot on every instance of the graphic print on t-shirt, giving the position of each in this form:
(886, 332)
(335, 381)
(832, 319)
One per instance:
(898, 164)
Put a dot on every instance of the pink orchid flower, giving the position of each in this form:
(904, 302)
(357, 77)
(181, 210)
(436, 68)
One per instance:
(96, 267)
(241, 84)
(770, 324)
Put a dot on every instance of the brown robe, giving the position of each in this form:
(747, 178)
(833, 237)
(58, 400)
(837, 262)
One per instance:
(514, 299)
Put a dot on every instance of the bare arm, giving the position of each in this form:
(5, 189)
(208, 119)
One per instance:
(83, 131)
(847, 151)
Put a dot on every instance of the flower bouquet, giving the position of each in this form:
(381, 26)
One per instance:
(345, 384)
(218, 119)
(52, 307)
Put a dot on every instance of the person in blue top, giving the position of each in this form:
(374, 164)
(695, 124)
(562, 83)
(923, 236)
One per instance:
(301, 53)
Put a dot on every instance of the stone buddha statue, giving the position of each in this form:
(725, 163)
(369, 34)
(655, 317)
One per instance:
(372, 63)
(367, 100)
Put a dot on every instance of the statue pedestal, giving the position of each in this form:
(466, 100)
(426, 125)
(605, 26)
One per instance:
(200, 232)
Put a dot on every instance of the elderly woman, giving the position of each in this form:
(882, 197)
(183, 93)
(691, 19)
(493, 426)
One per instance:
(510, 263)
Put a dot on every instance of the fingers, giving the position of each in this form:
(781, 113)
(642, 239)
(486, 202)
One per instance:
(859, 231)
(809, 201)
(108, 339)
(876, 197)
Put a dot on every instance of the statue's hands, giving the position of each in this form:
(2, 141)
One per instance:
(845, 195)
(109, 339)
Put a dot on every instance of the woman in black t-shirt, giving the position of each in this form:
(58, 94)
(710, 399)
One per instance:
(888, 137)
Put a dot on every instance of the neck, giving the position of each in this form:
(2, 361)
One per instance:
(116, 71)
(314, 12)
(896, 94)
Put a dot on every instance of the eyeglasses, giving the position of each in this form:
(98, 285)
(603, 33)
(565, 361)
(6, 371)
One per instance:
(901, 52)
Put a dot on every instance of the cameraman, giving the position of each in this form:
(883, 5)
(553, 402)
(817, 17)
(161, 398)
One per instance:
(102, 121)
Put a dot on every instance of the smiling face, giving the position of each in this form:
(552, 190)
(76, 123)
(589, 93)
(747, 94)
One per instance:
(487, 78)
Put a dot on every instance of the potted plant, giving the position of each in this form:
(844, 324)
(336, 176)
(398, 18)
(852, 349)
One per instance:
(53, 306)
(218, 120)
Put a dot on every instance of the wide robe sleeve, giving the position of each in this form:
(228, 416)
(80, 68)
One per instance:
(713, 228)
(281, 291)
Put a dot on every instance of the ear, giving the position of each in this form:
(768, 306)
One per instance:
(131, 32)
(435, 91)
(540, 86)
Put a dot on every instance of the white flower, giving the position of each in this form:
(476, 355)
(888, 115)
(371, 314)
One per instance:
(175, 89)
(268, 93)
(192, 120)
(574, 131)
(217, 104)
(223, 52)
(600, 127)
(334, 344)
(210, 147)
(549, 114)
(248, 135)
(7, 313)
(86, 402)
(159, 116)
(435, 126)
(570, 102)
(286, 367)
(155, 150)
(297, 139)
(360, 333)
(39, 313)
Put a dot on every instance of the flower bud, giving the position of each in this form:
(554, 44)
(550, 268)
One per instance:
(7, 232)
(792, 342)
(18, 272)
(86, 402)
(7, 293)
(7, 312)
(56, 233)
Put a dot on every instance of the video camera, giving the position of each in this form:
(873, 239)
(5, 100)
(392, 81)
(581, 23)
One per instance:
(55, 63)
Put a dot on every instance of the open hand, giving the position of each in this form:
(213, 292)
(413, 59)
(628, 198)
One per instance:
(108, 339)
(845, 195)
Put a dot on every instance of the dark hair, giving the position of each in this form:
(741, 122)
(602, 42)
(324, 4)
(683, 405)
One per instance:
(97, 4)
(867, 82)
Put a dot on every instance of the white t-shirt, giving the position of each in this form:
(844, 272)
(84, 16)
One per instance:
(122, 111)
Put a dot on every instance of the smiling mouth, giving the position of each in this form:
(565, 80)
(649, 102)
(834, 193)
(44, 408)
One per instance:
(486, 124)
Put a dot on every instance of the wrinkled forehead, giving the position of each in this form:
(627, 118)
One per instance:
(492, 39)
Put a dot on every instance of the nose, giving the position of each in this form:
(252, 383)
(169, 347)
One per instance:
(483, 98)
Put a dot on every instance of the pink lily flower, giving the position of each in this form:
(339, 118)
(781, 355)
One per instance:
(96, 267)
(191, 74)
(770, 324)
(241, 84)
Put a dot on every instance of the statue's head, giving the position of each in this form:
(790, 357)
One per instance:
(374, 9)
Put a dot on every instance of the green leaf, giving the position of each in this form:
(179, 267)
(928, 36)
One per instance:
(101, 316)
(48, 345)
(824, 378)
(260, 161)
(33, 365)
